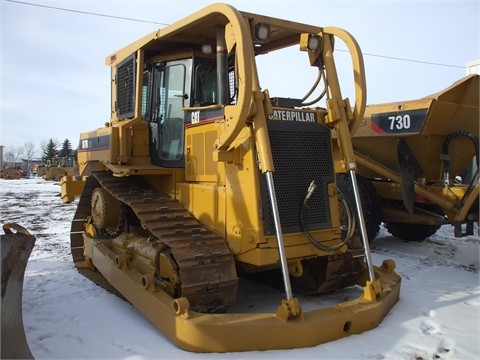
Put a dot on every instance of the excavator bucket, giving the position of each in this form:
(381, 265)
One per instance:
(17, 244)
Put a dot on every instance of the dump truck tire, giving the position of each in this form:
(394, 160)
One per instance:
(412, 232)
(370, 199)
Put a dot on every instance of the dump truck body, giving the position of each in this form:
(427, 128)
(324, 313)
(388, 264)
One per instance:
(422, 157)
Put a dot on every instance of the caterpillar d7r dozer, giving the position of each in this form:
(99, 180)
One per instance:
(200, 177)
(422, 158)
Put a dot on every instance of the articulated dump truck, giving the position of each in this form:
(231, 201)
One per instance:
(421, 156)
(202, 178)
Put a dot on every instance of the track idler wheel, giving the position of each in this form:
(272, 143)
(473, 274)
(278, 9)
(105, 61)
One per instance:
(105, 209)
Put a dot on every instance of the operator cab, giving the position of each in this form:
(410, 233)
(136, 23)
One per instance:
(168, 88)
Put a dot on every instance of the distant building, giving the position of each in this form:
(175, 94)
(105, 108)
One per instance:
(473, 67)
(29, 166)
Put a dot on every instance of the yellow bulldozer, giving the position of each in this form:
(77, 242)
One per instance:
(421, 156)
(201, 177)
(57, 168)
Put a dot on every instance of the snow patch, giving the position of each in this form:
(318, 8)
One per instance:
(66, 316)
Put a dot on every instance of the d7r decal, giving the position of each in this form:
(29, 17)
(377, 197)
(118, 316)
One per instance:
(399, 122)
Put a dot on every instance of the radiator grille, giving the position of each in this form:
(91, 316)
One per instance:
(301, 153)
(126, 88)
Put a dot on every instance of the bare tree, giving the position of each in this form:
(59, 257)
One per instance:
(9, 156)
(29, 151)
(12, 155)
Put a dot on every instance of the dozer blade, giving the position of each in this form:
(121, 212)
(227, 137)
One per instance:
(16, 248)
(214, 332)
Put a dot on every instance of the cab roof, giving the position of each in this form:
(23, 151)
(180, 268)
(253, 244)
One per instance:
(200, 28)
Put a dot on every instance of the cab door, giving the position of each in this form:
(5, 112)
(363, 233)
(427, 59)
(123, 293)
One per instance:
(171, 93)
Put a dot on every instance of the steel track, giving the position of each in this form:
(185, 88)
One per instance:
(206, 265)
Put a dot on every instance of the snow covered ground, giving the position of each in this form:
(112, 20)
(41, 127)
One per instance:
(68, 317)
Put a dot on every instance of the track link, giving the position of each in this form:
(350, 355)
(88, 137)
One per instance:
(206, 266)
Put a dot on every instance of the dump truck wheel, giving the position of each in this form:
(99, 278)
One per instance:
(412, 232)
(370, 199)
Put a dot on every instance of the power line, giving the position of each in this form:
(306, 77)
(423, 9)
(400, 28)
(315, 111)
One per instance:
(415, 61)
(408, 60)
(85, 12)
(159, 23)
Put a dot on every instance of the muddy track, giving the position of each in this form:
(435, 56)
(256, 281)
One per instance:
(206, 266)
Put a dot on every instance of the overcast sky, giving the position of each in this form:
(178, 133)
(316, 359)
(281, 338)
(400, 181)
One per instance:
(55, 84)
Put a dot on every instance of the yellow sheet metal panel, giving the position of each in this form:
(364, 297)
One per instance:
(100, 145)
(199, 149)
(206, 202)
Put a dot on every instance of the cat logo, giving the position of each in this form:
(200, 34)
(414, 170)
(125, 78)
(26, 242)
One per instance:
(292, 115)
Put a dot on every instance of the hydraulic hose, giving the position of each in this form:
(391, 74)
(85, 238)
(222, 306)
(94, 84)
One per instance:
(310, 238)
(452, 136)
(446, 144)
(446, 160)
